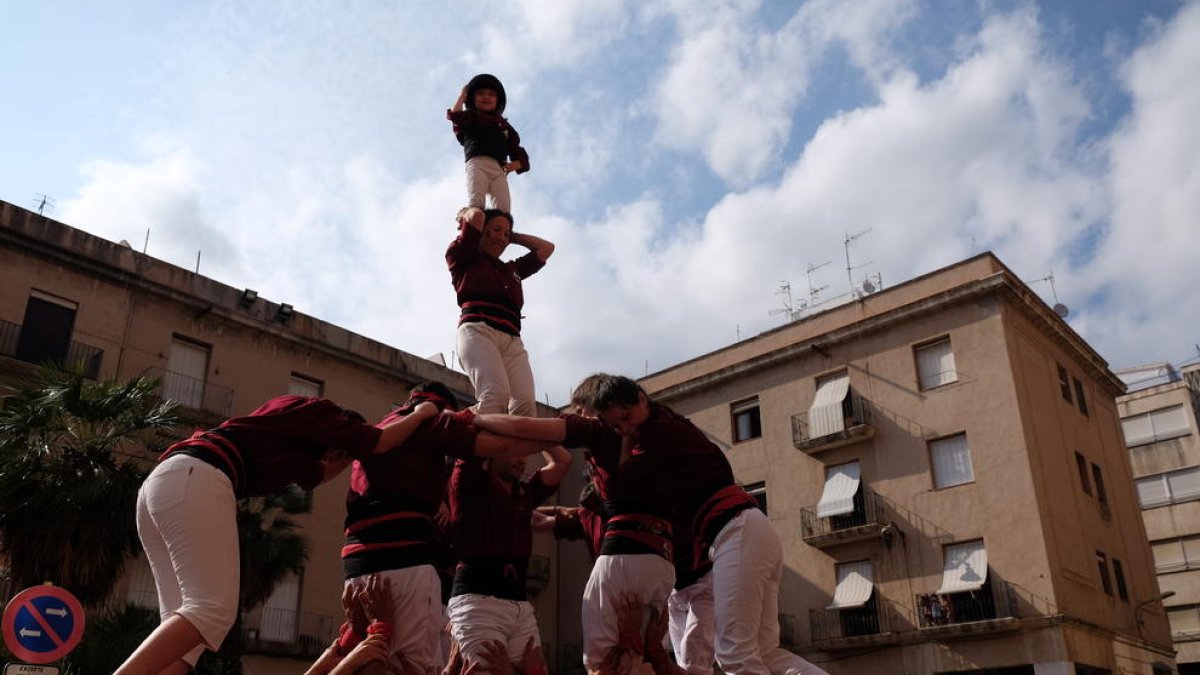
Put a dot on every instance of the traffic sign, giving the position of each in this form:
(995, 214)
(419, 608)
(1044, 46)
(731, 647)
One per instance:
(42, 624)
(26, 669)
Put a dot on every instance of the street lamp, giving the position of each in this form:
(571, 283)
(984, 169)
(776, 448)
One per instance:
(1138, 607)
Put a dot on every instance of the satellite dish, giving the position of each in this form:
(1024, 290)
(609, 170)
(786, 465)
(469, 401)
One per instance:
(1061, 310)
(867, 286)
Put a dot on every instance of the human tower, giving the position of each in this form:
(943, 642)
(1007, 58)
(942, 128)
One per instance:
(440, 518)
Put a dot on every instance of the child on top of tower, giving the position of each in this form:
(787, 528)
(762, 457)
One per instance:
(491, 146)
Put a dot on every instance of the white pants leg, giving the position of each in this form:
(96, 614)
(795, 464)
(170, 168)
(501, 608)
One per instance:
(498, 367)
(416, 617)
(187, 521)
(645, 576)
(693, 626)
(477, 619)
(485, 176)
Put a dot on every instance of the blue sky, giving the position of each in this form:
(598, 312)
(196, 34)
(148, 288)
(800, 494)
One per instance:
(687, 156)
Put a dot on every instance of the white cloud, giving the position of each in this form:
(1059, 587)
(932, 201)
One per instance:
(1147, 256)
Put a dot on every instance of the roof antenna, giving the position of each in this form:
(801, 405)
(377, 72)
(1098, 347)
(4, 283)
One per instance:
(1060, 309)
(42, 203)
(854, 292)
(785, 289)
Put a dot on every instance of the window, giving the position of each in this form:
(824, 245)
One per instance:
(1101, 494)
(187, 368)
(935, 364)
(747, 422)
(1172, 487)
(1185, 621)
(831, 405)
(1064, 383)
(1156, 425)
(46, 331)
(842, 484)
(759, 492)
(1102, 565)
(1176, 555)
(280, 610)
(964, 567)
(1119, 577)
(1081, 465)
(951, 461)
(300, 385)
(1079, 397)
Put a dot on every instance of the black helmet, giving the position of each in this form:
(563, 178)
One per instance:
(486, 81)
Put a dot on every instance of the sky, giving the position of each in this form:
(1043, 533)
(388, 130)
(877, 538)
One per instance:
(687, 156)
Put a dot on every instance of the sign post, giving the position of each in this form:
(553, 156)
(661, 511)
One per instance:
(40, 625)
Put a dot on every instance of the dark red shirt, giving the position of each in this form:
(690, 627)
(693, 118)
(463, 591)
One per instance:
(488, 289)
(280, 443)
(580, 522)
(673, 471)
(393, 496)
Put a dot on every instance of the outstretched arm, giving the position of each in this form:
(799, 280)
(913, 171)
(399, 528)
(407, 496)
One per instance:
(550, 429)
(539, 246)
(397, 432)
(491, 445)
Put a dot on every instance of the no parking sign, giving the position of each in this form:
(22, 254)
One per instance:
(42, 624)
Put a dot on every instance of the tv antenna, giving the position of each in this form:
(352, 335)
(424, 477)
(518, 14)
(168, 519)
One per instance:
(1060, 309)
(854, 292)
(43, 203)
(813, 291)
(785, 289)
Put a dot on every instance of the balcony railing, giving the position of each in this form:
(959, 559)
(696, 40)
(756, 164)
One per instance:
(866, 521)
(84, 358)
(193, 393)
(869, 624)
(856, 412)
(283, 632)
(987, 607)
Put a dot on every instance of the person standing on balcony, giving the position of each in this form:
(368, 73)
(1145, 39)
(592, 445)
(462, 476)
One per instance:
(187, 510)
(491, 507)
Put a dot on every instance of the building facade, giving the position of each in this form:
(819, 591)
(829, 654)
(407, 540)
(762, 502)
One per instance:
(943, 462)
(76, 299)
(1159, 417)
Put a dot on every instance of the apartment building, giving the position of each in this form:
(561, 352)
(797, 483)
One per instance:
(1159, 417)
(944, 464)
(70, 297)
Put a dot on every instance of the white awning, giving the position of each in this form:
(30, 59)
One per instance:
(841, 484)
(965, 567)
(854, 585)
(825, 415)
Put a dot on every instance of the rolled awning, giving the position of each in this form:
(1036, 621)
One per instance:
(841, 484)
(854, 585)
(825, 415)
(965, 568)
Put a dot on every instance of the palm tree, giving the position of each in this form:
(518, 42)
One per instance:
(72, 456)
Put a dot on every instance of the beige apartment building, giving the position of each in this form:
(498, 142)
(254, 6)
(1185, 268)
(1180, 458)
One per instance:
(1159, 417)
(67, 296)
(944, 464)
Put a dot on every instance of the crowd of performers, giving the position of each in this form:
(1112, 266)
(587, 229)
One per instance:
(679, 548)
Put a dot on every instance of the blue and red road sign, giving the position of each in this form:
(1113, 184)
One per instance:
(42, 624)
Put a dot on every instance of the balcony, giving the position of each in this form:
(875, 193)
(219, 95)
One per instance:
(877, 622)
(193, 393)
(78, 356)
(859, 427)
(867, 521)
(991, 609)
(279, 632)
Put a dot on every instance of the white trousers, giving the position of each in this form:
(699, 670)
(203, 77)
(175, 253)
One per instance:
(417, 619)
(477, 619)
(498, 367)
(747, 565)
(647, 577)
(486, 177)
(693, 626)
(187, 521)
